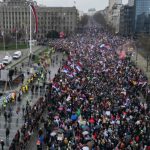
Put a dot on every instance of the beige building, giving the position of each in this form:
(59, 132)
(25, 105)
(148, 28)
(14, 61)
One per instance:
(15, 15)
(113, 13)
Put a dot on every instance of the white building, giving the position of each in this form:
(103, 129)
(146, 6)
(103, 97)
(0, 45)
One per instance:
(15, 14)
(131, 2)
(113, 16)
(91, 11)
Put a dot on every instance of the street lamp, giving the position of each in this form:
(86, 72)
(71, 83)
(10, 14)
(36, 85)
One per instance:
(29, 3)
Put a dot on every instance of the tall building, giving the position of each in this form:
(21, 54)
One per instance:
(142, 16)
(91, 11)
(15, 15)
(126, 20)
(112, 2)
(131, 2)
(113, 14)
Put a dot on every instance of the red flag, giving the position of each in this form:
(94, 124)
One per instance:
(36, 18)
(122, 55)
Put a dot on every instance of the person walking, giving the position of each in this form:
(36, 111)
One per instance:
(5, 115)
(7, 133)
(2, 144)
(23, 110)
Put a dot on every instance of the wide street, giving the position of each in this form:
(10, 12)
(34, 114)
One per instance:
(17, 121)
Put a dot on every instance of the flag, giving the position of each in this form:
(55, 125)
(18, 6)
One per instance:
(35, 16)
(78, 68)
(61, 34)
(122, 55)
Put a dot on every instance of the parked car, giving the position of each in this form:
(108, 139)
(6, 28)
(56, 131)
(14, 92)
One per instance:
(7, 60)
(2, 66)
(17, 55)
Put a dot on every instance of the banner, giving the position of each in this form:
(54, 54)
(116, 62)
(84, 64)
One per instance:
(35, 16)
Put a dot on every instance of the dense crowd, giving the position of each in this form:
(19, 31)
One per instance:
(95, 99)
(95, 102)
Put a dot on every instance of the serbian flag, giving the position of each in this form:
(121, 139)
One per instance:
(66, 69)
(35, 16)
(79, 66)
(61, 34)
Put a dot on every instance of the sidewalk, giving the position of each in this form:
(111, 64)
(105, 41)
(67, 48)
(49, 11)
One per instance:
(15, 125)
(136, 57)
(141, 62)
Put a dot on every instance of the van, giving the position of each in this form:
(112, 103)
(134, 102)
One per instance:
(17, 55)
(7, 60)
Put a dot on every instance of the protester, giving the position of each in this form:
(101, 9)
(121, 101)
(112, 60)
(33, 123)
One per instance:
(94, 102)
(2, 144)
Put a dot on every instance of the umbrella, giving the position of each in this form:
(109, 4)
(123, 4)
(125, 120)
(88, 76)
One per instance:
(83, 122)
(53, 133)
(85, 148)
(91, 120)
(61, 108)
(60, 130)
(88, 138)
(85, 133)
(97, 126)
(56, 117)
(85, 128)
(74, 117)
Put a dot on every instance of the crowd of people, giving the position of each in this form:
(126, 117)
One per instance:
(94, 102)
(32, 119)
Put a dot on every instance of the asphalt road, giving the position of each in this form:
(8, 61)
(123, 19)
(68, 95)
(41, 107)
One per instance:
(14, 125)
(25, 53)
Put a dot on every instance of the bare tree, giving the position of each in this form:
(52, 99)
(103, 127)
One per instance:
(144, 43)
(84, 20)
(99, 18)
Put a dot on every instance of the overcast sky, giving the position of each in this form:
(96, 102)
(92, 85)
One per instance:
(82, 5)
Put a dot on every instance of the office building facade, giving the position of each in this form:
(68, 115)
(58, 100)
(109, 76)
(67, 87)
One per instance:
(131, 2)
(15, 15)
(142, 16)
(126, 20)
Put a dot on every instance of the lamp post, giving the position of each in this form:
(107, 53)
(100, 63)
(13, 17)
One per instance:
(30, 30)
(16, 40)
(149, 21)
(29, 3)
(4, 46)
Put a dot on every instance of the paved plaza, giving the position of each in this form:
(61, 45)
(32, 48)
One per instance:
(17, 121)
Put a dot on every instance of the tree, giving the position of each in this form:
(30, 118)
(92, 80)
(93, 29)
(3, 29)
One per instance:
(84, 20)
(99, 18)
(52, 34)
(143, 42)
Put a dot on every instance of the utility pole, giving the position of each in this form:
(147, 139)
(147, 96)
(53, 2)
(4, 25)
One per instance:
(3, 34)
(16, 40)
(147, 62)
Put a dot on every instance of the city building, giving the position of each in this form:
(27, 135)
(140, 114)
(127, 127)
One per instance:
(142, 16)
(91, 11)
(131, 2)
(126, 27)
(113, 15)
(15, 16)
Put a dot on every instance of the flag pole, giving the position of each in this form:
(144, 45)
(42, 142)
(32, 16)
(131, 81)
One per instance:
(4, 43)
(30, 34)
(16, 40)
